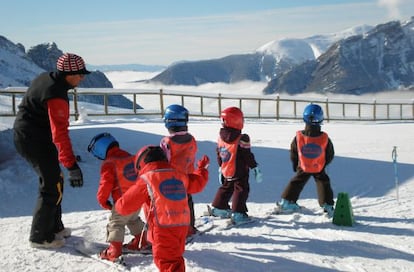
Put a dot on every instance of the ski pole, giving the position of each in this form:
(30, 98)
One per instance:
(394, 159)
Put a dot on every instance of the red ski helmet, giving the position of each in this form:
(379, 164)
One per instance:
(232, 117)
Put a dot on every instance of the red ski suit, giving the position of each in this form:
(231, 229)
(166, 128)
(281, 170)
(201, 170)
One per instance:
(167, 215)
(117, 175)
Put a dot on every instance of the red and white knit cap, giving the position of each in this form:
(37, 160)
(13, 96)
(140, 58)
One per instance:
(71, 64)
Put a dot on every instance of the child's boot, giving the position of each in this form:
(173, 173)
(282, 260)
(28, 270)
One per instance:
(238, 218)
(191, 231)
(285, 205)
(221, 213)
(328, 209)
(135, 245)
(113, 252)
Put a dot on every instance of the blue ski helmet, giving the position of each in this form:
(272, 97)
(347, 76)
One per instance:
(313, 115)
(175, 116)
(100, 144)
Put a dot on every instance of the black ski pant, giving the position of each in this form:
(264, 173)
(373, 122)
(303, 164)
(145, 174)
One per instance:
(236, 190)
(298, 182)
(191, 207)
(47, 215)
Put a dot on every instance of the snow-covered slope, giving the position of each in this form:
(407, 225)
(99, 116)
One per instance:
(382, 238)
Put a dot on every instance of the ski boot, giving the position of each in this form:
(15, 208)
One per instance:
(64, 233)
(113, 253)
(135, 245)
(239, 218)
(191, 231)
(329, 210)
(220, 213)
(286, 206)
(56, 243)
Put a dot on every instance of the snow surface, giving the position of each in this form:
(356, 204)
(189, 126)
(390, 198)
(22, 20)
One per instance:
(382, 238)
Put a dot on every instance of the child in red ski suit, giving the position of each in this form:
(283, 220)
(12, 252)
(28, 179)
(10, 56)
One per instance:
(162, 191)
(234, 158)
(180, 148)
(117, 176)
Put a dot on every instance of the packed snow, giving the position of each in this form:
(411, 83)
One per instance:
(381, 239)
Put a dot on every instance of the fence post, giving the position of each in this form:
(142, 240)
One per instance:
(219, 104)
(277, 107)
(259, 107)
(75, 103)
(294, 109)
(388, 111)
(327, 109)
(135, 103)
(14, 104)
(401, 111)
(106, 102)
(201, 106)
(374, 110)
(162, 102)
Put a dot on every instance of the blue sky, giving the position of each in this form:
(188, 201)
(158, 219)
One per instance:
(165, 31)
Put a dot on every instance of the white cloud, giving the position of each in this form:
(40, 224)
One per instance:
(392, 6)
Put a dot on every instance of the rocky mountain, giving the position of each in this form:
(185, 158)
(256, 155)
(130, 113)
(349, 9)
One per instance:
(381, 59)
(228, 69)
(18, 68)
(266, 63)
(357, 60)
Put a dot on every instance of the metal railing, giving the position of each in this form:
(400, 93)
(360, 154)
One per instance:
(153, 102)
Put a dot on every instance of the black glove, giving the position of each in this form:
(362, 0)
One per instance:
(75, 176)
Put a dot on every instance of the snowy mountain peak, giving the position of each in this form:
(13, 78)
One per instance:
(300, 50)
(296, 50)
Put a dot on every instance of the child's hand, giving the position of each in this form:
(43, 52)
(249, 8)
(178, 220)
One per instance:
(258, 174)
(220, 180)
(106, 205)
(204, 162)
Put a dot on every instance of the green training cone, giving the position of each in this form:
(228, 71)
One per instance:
(343, 215)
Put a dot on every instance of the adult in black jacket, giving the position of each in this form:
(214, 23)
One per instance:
(41, 136)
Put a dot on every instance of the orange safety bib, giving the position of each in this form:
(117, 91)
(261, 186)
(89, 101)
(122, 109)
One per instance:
(125, 175)
(228, 155)
(168, 192)
(311, 152)
(182, 155)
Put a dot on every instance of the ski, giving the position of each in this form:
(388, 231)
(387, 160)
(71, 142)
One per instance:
(297, 213)
(278, 210)
(228, 222)
(231, 224)
(143, 252)
(91, 250)
(202, 228)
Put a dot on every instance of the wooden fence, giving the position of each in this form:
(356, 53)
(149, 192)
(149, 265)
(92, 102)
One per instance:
(153, 102)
